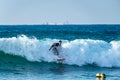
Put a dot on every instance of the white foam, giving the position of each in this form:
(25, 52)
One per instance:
(78, 52)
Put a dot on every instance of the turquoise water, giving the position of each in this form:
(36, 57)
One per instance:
(67, 32)
(17, 68)
(88, 50)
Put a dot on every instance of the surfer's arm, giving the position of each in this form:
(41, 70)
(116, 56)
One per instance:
(51, 47)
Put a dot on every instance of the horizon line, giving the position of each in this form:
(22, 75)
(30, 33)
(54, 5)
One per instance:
(58, 24)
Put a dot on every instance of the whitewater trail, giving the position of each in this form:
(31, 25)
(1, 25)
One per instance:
(76, 52)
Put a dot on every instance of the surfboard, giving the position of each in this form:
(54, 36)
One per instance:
(60, 59)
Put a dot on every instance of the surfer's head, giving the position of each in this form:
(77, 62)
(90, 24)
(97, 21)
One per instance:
(60, 42)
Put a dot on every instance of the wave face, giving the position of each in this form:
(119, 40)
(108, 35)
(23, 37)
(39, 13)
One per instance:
(76, 52)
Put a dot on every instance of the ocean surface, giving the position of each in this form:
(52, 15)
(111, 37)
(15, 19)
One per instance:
(87, 49)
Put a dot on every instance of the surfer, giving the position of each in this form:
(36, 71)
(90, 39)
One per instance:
(55, 50)
(54, 47)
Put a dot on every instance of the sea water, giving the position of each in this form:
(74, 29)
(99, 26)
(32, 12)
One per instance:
(87, 49)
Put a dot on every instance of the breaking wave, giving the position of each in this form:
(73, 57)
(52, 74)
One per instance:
(76, 52)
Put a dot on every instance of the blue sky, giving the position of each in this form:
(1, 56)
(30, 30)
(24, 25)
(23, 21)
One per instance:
(60, 11)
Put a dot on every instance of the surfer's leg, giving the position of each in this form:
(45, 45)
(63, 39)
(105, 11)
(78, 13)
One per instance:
(55, 51)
